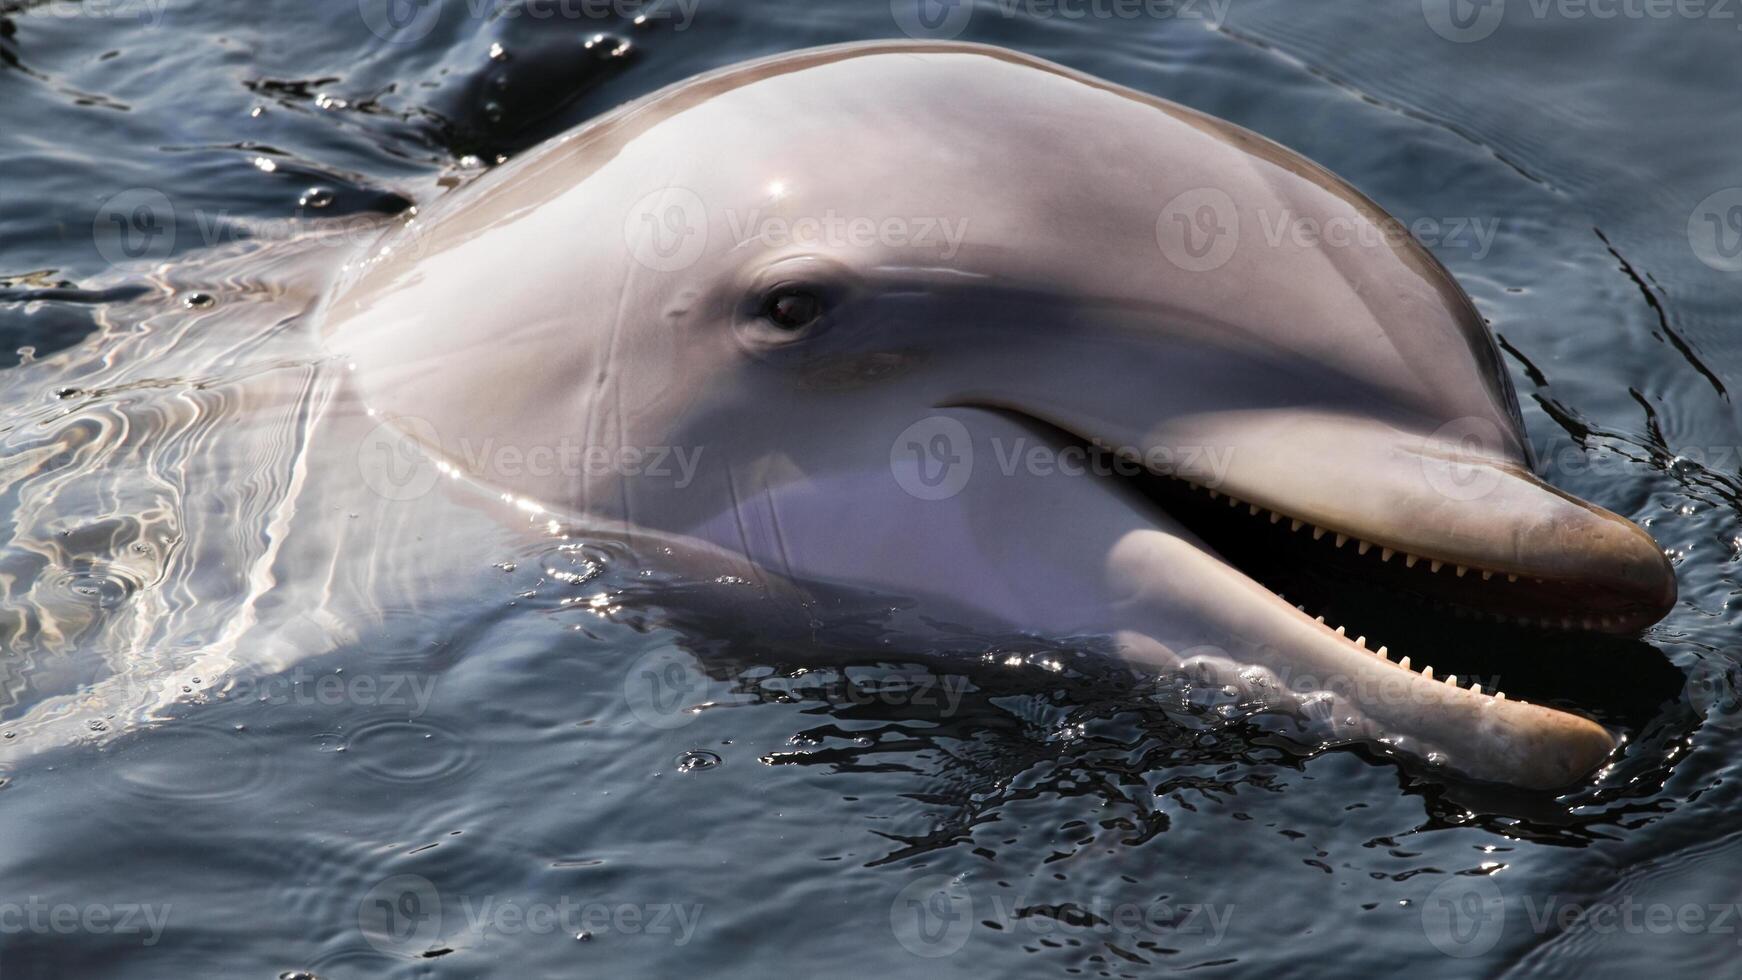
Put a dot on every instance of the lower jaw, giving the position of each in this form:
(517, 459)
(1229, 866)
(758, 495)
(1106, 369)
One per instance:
(1277, 660)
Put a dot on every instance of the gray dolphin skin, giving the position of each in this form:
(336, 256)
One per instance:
(956, 325)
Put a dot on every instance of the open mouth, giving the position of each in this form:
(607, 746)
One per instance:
(1454, 624)
(1376, 602)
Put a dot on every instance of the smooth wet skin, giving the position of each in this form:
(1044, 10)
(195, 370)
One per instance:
(626, 287)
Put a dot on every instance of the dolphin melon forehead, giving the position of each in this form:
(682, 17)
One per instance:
(534, 284)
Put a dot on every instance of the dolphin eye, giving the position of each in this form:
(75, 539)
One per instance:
(791, 308)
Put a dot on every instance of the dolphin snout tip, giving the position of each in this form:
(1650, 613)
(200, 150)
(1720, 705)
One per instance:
(1634, 573)
(1581, 747)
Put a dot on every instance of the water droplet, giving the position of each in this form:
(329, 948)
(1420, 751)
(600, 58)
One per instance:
(315, 197)
(198, 301)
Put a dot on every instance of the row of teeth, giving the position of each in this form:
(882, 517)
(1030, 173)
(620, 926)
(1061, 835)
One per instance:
(1361, 547)
(1385, 554)
(1410, 561)
(1384, 653)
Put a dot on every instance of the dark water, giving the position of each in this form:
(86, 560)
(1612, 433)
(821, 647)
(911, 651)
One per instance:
(533, 797)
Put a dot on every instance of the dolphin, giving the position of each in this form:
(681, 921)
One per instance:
(1011, 345)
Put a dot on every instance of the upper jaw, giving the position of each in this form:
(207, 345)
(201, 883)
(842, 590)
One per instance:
(1500, 539)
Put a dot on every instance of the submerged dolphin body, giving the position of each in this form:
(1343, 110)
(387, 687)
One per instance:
(853, 317)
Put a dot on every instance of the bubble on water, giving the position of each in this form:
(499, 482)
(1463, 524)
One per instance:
(188, 763)
(408, 751)
(198, 301)
(316, 197)
(96, 584)
(695, 761)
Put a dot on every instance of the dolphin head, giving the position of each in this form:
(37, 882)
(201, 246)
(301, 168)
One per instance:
(788, 268)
